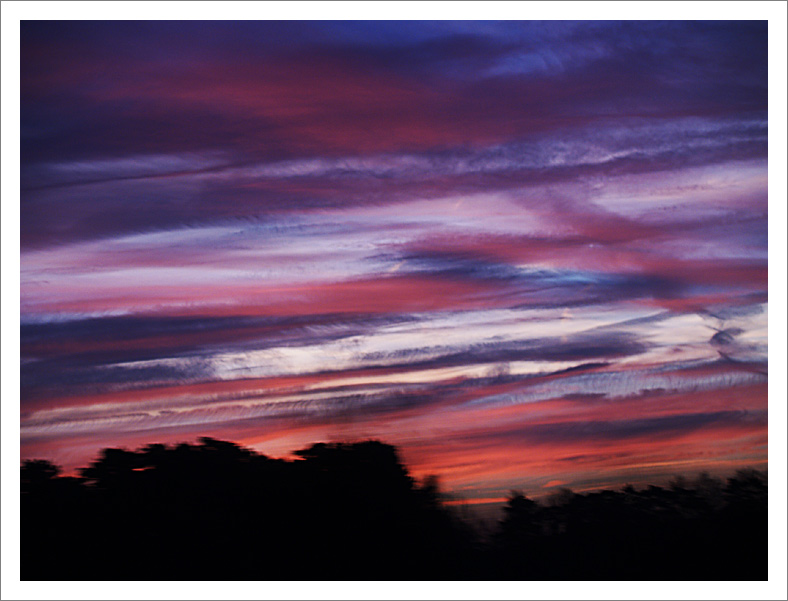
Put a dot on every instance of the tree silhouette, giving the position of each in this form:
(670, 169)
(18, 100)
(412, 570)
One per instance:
(690, 531)
(37, 474)
(350, 511)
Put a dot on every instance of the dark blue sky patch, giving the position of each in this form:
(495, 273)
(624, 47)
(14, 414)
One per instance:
(656, 427)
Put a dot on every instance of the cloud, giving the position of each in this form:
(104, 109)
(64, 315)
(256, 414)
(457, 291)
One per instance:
(662, 426)
(259, 188)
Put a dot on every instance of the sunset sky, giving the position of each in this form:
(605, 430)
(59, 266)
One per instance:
(532, 255)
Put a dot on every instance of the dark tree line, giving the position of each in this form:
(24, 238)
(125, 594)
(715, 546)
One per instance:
(217, 511)
(704, 530)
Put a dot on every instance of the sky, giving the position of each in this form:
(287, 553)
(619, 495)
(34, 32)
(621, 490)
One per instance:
(531, 255)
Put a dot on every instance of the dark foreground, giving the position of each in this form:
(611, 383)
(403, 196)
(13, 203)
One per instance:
(216, 511)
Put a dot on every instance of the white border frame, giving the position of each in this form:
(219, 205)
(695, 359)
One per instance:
(776, 12)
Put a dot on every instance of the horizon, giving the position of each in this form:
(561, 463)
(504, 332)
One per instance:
(479, 509)
(531, 255)
(483, 515)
